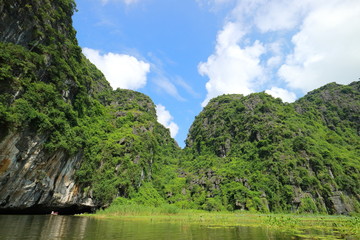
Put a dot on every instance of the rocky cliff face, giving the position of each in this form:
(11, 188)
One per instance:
(39, 22)
(33, 177)
(33, 180)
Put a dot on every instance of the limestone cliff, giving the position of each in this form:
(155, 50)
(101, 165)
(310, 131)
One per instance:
(36, 181)
(68, 142)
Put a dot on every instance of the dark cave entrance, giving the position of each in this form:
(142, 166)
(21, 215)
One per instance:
(42, 210)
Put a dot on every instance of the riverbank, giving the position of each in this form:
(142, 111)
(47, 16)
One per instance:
(306, 226)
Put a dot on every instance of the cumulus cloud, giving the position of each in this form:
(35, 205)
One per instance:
(122, 71)
(297, 45)
(231, 69)
(279, 14)
(164, 117)
(326, 49)
(285, 95)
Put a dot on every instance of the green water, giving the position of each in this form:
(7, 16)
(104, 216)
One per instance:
(17, 227)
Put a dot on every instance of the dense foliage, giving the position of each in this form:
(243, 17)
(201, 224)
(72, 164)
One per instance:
(128, 148)
(49, 89)
(257, 153)
(242, 152)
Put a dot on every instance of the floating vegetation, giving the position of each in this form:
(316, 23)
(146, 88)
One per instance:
(302, 226)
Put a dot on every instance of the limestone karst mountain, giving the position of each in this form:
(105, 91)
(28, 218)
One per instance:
(68, 142)
(256, 153)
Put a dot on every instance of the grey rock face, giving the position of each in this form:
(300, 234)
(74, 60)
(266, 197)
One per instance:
(14, 29)
(21, 22)
(32, 179)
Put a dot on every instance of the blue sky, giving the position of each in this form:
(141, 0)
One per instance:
(183, 53)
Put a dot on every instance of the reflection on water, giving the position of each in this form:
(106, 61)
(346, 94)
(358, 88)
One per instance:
(70, 227)
(42, 227)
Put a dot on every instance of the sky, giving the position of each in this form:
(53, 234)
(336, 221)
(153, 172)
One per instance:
(182, 53)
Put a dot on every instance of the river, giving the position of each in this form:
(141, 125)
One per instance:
(18, 227)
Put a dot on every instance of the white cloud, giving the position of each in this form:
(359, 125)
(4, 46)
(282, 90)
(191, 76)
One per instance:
(232, 69)
(275, 52)
(326, 49)
(274, 61)
(164, 117)
(122, 71)
(280, 14)
(305, 43)
(284, 94)
(268, 15)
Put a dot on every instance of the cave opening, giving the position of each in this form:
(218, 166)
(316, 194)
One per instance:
(42, 210)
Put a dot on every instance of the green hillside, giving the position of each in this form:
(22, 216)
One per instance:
(257, 153)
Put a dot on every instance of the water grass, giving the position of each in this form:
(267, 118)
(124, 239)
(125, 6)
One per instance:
(138, 210)
(303, 226)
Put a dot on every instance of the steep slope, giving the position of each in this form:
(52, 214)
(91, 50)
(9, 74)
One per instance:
(129, 148)
(257, 153)
(67, 141)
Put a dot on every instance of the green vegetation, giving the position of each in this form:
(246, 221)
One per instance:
(256, 153)
(50, 90)
(116, 131)
(252, 153)
(306, 226)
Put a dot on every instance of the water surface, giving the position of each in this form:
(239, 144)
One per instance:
(18, 227)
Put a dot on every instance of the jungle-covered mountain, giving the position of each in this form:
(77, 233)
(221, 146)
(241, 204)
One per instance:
(257, 153)
(70, 143)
